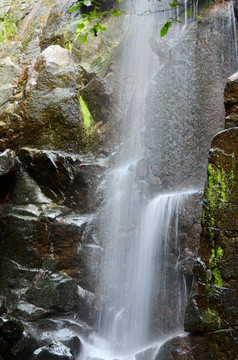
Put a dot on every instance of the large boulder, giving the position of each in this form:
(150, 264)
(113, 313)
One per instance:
(220, 345)
(51, 102)
(65, 178)
(53, 291)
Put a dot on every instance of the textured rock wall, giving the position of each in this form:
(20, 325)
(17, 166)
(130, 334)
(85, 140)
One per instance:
(51, 163)
(212, 313)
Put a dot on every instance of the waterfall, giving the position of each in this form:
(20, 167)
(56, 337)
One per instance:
(141, 295)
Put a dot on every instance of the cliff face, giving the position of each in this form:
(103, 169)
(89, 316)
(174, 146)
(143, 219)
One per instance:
(211, 314)
(59, 130)
(55, 131)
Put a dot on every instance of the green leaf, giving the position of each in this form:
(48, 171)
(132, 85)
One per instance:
(188, 12)
(207, 5)
(174, 4)
(165, 28)
(84, 38)
(81, 25)
(74, 8)
(120, 1)
(163, 31)
(102, 28)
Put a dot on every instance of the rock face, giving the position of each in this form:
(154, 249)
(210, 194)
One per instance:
(185, 139)
(51, 163)
(211, 306)
(217, 345)
(212, 309)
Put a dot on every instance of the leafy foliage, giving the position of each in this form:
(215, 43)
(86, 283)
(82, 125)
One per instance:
(93, 18)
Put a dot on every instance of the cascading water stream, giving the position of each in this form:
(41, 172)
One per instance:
(140, 238)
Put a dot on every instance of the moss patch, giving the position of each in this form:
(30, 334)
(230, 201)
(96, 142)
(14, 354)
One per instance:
(212, 318)
(86, 112)
(217, 187)
(8, 28)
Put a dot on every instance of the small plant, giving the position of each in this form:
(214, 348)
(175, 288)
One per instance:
(8, 28)
(91, 21)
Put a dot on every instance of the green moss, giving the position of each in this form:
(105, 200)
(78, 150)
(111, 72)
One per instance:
(86, 112)
(217, 187)
(219, 252)
(212, 318)
(214, 261)
(217, 277)
(8, 28)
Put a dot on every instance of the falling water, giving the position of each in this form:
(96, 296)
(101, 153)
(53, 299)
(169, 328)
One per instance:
(140, 237)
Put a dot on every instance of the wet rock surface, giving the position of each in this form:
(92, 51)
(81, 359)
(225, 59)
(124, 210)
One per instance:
(53, 351)
(217, 345)
(211, 304)
(42, 247)
(186, 143)
(231, 101)
(49, 173)
(49, 188)
(211, 313)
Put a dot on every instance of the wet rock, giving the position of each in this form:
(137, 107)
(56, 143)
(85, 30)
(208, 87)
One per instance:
(85, 306)
(53, 351)
(62, 177)
(186, 265)
(26, 190)
(231, 91)
(211, 305)
(231, 100)
(236, 9)
(142, 168)
(59, 28)
(65, 234)
(199, 269)
(24, 238)
(8, 74)
(15, 285)
(2, 305)
(60, 325)
(3, 347)
(66, 337)
(36, 236)
(204, 114)
(218, 345)
(11, 331)
(7, 162)
(53, 291)
(7, 175)
(146, 354)
(29, 312)
(94, 91)
(25, 346)
(51, 102)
